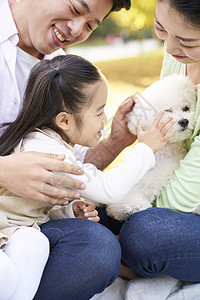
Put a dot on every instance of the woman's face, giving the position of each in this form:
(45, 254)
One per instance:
(182, 39)
(47, 25)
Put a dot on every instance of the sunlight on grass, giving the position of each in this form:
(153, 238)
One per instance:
(127, 77)
(140, 71)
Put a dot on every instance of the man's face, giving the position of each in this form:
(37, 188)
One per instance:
(54, 24)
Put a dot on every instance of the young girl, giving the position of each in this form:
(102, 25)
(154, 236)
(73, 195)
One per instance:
(64, 105)
(24, 249)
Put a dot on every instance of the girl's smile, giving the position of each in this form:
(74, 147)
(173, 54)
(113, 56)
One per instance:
(92, 117)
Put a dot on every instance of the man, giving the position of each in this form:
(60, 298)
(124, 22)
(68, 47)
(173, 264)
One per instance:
(85, 256)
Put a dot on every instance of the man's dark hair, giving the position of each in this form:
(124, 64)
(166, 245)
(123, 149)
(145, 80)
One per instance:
(119, 4)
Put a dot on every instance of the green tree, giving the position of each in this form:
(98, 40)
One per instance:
(140, 16)
(137, 22)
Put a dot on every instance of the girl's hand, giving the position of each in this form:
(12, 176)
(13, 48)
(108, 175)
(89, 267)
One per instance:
(157, 135)
(85, 210)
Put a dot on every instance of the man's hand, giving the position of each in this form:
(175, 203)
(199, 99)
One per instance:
(120, 134)
(120, 138)
(29, 175)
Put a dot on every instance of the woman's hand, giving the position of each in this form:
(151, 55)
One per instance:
(85, 210)
(29, 175)
(157, 135)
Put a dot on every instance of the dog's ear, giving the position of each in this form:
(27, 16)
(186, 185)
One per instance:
(143, 112)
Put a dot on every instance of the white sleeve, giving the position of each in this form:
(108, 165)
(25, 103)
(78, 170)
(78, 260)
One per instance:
(80, 152)
(112, 186)
(104, 187)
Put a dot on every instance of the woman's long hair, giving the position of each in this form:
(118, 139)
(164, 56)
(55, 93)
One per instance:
(190, 9)
(53, 86)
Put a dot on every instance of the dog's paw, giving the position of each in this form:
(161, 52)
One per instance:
(116, 212)
(122, 212)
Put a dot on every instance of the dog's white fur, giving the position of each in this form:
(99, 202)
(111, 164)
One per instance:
(176, 95)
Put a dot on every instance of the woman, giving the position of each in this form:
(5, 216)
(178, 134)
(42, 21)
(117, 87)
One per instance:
(165, 239)
(30, 30)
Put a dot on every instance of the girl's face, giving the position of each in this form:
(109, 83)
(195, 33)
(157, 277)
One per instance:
(48, 25)
(93, 117)
(182, 39)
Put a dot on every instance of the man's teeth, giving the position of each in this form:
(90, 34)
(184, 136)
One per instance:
(59, 36)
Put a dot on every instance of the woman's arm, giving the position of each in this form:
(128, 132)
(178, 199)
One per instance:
(183, 190)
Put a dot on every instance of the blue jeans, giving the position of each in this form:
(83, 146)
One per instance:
(159, 240)
(84, 259)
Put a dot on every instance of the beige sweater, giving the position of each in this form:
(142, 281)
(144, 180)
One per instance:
(16, 211)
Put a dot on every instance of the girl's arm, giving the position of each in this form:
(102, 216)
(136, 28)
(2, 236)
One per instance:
(112, 186)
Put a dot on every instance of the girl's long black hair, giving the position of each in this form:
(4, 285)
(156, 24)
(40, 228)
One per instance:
(53, 86)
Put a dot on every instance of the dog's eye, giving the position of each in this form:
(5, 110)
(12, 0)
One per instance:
(186, 108)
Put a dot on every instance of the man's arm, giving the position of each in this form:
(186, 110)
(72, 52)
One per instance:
(120, 138)
(30, 175)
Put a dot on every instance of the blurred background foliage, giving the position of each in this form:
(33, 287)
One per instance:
(135, 23)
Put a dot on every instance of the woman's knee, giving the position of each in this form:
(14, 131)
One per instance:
(143, 234)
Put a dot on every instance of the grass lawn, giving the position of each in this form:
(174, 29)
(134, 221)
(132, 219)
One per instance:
(127, 77)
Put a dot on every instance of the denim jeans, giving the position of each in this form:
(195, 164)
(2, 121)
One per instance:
(159, 240)
(84, 259)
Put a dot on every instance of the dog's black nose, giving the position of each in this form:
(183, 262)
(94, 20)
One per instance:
(184, 123)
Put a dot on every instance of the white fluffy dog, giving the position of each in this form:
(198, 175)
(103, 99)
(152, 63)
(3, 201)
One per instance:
(176, 95)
